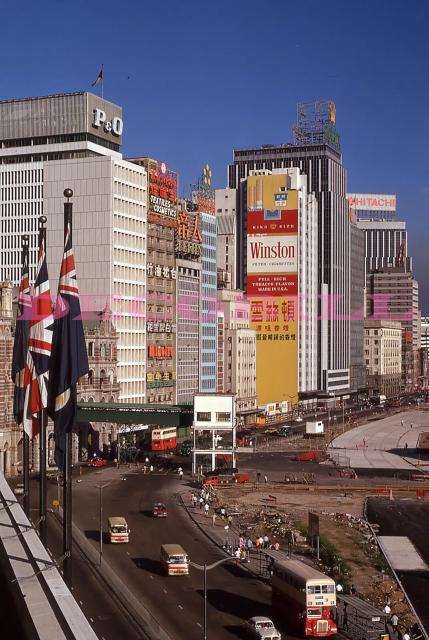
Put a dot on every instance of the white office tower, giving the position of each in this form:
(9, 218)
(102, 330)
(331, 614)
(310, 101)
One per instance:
(73, 141)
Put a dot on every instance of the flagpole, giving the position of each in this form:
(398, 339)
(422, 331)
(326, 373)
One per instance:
(42, 418)
(67, 479)
(25, 436)
(102, 81)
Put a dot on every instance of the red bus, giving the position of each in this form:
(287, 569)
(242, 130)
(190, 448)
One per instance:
(164, 439)
(305, 596)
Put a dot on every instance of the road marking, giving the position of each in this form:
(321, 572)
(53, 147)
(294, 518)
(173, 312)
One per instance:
(180, 606)
(128, 553)
(92, 620)
(80, 602)
(151, 577)
(199, 625)
(165, 591)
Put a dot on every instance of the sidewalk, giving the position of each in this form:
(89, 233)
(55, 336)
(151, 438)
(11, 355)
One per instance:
(226, 539)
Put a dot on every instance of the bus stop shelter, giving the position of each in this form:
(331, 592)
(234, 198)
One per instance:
(359, 619)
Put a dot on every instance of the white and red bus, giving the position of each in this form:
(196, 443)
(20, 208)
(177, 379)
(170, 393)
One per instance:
(306, 596)
(164, 439)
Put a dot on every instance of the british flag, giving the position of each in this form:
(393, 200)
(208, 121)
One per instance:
(69, 360)
(36, 375)
(20, 345)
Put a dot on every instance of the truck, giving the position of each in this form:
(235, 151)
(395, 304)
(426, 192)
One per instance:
(314, 428)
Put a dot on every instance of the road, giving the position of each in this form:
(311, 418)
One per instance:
(176, 602)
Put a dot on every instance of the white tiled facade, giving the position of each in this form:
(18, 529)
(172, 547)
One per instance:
(383, 347)
(109, 238)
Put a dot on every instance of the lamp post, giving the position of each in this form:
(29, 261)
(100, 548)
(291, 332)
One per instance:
(101, 487)
(205, 568)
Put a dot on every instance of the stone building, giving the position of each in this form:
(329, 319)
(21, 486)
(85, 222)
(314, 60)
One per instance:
(10, 435)
(382, 352)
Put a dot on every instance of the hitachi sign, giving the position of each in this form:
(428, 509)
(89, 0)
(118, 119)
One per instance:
(115, 126)
(279, 250)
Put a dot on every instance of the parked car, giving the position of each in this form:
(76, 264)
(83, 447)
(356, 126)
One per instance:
(97, 462)
(159, 510)
(271, 430)
(261, 628)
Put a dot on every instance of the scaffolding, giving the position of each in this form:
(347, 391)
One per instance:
(316, 124)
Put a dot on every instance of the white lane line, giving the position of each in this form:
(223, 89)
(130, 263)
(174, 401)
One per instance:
(80, 602)
(151, 577)
(92, 620)
(180, 606)
(128, 553)
(199, 625)
(165, 591)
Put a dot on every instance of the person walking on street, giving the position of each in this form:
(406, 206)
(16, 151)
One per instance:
(265, 479)
(206, 509)
(249, 543)
(222, 513)
(151, 468)
(214, 519)
(258, 477)
(394, 621)
(266, 542)
(230, 520)
(406, 636)
(201, 501)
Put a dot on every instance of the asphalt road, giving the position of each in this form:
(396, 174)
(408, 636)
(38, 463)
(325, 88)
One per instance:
(176, 602)
(407, 518)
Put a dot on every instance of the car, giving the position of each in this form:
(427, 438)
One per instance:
(19, 490)
(271, 430)
(97, 462)
(284, 431)
(261, 628)
(185, 448)
(298, 419)
(159, 510)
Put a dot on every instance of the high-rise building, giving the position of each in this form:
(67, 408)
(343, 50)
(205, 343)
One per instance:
(73, 140)
(394, 295)
(226, 217)
(424, 333)
(188, 301)
(208, 303)
(357, 308)
(316, 153)
(161, 281)
(277, 265)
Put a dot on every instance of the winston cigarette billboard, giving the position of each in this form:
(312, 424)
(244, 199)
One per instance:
(272, 285)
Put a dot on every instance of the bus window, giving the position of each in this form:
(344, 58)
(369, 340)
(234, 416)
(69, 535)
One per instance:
(314, 613)
(328, 588)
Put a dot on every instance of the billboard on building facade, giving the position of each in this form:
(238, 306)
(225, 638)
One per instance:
(372, 202)
(272, 285)
(162, 194)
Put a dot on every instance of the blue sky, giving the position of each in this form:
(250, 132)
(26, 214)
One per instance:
(196, 79)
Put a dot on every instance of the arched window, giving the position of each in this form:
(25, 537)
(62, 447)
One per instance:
(90, 376)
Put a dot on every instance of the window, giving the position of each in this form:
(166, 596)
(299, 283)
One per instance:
(204, 416)
(223, 416)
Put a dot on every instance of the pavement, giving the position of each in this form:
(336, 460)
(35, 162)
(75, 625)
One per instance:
(388, 443)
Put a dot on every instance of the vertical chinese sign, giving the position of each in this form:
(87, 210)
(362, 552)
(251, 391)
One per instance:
(272, 285)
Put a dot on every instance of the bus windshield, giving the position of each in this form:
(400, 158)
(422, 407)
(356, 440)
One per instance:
(317, 588)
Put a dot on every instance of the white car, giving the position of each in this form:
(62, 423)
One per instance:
(262, 628)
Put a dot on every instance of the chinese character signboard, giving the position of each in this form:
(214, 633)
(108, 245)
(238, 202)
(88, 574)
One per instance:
(272, 285)
(156, 379)
(162, 194)
(188, 235)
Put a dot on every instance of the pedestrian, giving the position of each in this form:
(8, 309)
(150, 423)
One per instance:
(201, 501)
(257, 542)
(194, 500)
(230, 520)
(258, 476)
(411, 425)
(352, 589)
(151, 468)
(249, 543)
(222, 513)
(266, 542)
(265, 479)
(241, 542)
(387, 609)
(402, 423)
(406, 445)
(406, 636)
(394, 621)
(237, 554)
(276, 546)
(115, 463)
(146, 461)
(180, 474)
(345, 618)
(261, 542)
(214, 519)
(206, 509)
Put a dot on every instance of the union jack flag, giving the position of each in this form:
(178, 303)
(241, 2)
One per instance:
(69, 360)
(20, 345)
(36, 376)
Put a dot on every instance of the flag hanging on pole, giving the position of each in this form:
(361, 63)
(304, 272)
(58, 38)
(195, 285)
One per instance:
(36, 374)
(20, 344)
(99, 78)
(69, 360)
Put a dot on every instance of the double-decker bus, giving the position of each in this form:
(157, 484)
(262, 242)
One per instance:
(306, 596)
(164, 439)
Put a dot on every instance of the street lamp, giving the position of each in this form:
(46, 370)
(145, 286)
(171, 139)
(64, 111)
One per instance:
(101, 487)
(205, 568)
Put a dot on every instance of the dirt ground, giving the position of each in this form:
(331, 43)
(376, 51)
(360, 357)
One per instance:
(272, 510)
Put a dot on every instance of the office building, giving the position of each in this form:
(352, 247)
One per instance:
(188, 303)
(394, 295)
(213, 432)
(226, 218)
(357, 308)
(278, 250)
(73, 140)
(316, 152)
(424, 333)
(161, 281)
(383, 357)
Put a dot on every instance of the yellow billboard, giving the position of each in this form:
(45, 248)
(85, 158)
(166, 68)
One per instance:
(272, 227)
